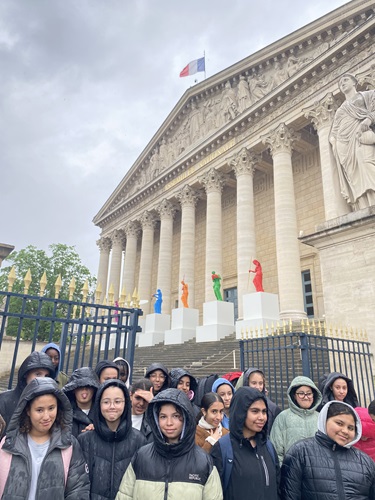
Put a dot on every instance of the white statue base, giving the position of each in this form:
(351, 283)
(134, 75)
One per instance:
(261, 309)
(156, 325)
(184, 323)
(218, 321)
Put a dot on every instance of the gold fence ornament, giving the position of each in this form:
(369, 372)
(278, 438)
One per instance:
(72, 288)
(122, 298)
(98, 292)
(111, 295)
(58, 285)
(11, 278)
(27, 280)
(85, 291)
(42, 284)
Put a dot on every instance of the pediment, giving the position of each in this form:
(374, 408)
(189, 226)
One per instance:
(211, 105)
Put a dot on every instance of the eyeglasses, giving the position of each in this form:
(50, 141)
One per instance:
(109, 402)
(304, 395)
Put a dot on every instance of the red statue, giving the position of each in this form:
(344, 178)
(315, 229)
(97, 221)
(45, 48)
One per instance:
(258, 278)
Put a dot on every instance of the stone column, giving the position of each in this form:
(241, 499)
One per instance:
(128, 276)
(280, 141)
(117, 238)
(213, 183)
(104, 245)
(164, 280)
(188, 199)
(145, 271)
(322, 113)
(244, 166)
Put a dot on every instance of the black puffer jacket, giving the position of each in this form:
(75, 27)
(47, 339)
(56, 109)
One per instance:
(81, 377)
(255, 473)
(327, 394)
(109, 453)
(160, 470)
(51, 480)
(9, 399)
(319, 469)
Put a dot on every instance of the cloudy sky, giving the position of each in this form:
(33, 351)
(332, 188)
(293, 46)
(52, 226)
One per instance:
(86, 83)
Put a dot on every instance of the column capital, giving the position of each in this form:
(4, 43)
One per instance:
(212, 181)
(166, 209)
(187, 196)
(117, 237)
(322, 112)
(244, 162)
(104, 244)
(132, 229)
(280, 139)
(147, 220)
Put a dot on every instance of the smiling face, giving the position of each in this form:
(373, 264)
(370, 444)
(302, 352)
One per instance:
(214, 414)
(112, 406)
(226, 394)
(157, 378)
(339, 389)
(42, 414)
(256, 418)
(184, 384)
(304, 397)
(139, 404)
(341, 429)
(171, 422)
(256, 380)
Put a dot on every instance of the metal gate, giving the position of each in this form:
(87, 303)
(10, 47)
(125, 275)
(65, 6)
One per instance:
(285, 356)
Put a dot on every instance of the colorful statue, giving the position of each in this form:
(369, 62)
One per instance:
(185, 294)
(258, 278)
(158, 302)
(216, 282)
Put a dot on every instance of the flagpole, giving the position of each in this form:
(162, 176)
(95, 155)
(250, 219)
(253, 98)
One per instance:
(204, 55)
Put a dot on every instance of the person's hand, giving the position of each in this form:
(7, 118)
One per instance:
(215, 433)
(365, 125)
(146, 395)
(90, 427)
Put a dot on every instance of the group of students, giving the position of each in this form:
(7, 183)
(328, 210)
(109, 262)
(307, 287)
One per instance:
(172, 436)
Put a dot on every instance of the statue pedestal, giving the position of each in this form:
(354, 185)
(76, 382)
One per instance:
(218, 321)
(156, 325)
(259, 309)
(184, 323)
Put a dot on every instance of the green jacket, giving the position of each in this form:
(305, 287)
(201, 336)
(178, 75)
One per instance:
(294, 424)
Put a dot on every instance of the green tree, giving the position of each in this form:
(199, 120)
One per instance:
(64, 261)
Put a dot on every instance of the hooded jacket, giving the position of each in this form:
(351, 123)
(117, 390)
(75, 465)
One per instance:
(51, 479)
(162, 471)
(327, 395)
(60, 377)
(109, 453)
(159, 366)
(295, 423)
(367, 441)
(218, 382)
(81, 377)
(253, 469)
(9, 399)
(119, 361)
(318, 468)
(273, 409)
(105, 364)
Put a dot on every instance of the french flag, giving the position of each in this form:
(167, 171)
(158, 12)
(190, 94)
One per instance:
(193, 67)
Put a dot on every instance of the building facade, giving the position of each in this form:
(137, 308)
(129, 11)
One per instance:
(244, 168)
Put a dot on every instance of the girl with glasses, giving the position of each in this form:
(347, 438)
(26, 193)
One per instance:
(158, 375)
(300, 420)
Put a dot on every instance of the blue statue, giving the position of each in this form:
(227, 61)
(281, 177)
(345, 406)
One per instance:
(159, 300)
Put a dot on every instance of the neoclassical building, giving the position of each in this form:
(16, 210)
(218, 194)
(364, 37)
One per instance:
(243, 168)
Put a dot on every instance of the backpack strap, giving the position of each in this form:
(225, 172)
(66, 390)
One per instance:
(66, 455)
(272, 452)
(5, 460)
(227, 459)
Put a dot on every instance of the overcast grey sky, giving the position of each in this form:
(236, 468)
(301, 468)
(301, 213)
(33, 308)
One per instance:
(86, 83)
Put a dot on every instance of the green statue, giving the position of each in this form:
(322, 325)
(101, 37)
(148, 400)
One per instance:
(216, 283)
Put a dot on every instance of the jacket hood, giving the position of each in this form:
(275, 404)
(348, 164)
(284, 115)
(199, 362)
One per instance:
(187, 439)
(121, 361)
(177, 373)
(39, 387)
(350, 398)
(33, 361)
(247, 374)
(159, 366)
(100, 424)
(220, 381)
(105, 363)
(298, 382)
(51, 345)
(322, 422)
(81, 377)
(242, 399)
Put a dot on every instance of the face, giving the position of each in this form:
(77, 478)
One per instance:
(339, 389)
(256, 380)
(112, 405)
(84, 396)
(123, 374)
(108, 374)
(171, 423)
(341, 428)
(157, 378)
(184, 384)
(42, 414)
(346, 83)
(256, 418)
(226, 394)
(37, 372)
(54, 355)
(214, 414)
(304, 397)
(139, 405)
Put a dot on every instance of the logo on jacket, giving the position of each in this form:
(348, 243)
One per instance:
(194, 477)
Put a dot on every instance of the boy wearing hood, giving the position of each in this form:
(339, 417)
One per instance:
(124, 370)
(107, 370)
(172, 466)
(53, 351)
(255, 471)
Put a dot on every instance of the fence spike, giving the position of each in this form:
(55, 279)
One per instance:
(111, 294)
(27, 280)
(272, 329)
(122, 297)
(58, 285)
(278, 328)
(72, 288)
(308, 326)
(135, 294)
(11, 278)
(267, 330)
(98, 293)
(128, 300)
(85, 291)
(313, 326)
(43, 284)
(247, 333)
(290, 325)
(138, 301)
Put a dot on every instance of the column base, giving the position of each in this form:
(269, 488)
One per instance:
(184, 322)
(293, 315)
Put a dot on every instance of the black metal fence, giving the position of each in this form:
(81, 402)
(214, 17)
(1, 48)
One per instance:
(285, 356)
(85, 332)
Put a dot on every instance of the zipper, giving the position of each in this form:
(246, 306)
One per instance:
(265, 469)
(113, 463)
(167, 481)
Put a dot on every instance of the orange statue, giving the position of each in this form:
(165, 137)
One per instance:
(185, 294)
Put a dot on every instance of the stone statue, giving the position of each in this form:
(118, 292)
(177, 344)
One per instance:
(194, 123)
(353, 144)
(163, 155)
(185, 293)
(258, 278)
(158, 302)
(229, 103)
(216, 283)
(243, 95)
(279, 75)
(154, 164)
(258, 87)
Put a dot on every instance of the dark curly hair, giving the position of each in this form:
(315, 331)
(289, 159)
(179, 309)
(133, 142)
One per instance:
(25, 422)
